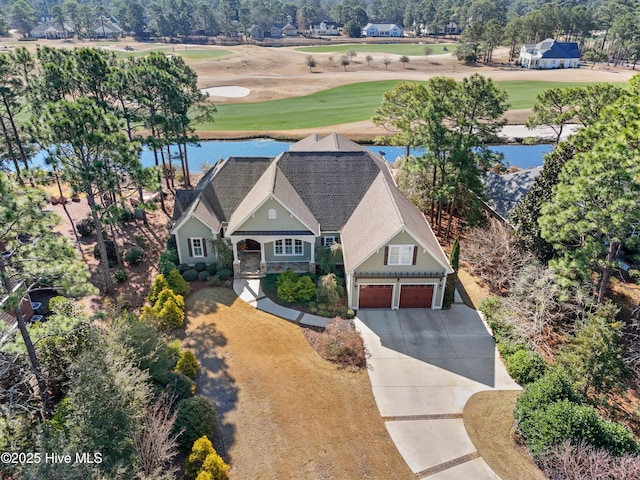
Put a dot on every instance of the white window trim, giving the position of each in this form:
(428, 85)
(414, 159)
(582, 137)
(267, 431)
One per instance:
(323, 240)
(193, 247)
(297, 247)
(400, 248)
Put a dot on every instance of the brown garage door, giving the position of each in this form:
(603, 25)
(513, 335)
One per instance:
(375, 296)
(416, 296)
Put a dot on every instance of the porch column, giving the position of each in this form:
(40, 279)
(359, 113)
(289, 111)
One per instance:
(263, 261)
(235, 251)
(236, 261)
(312, 262)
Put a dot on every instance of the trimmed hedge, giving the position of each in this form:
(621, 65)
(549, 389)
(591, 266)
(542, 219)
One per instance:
(183, 267)
(190, 275)
(525, 366)
(212, 268)
(200, 267)
(134, 255)
(196, 417)
(203, 276)
(550, 411)
(179, 386)
(224, 274)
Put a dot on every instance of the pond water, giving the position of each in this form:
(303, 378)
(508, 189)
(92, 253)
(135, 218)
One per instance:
(209, 152)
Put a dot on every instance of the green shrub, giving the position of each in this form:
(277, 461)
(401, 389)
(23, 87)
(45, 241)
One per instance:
(525, 366)
(168, 261)
(214, 468)
(200, 267)
(203, 276)
(168, 309)
(86, 227)
(179, 386)
(313, 309)
(112, 256)
(190, 275)
(550, 388)
(177, 283)
(617, 439)
(287, 286)
(126, 216)
(306, 289)
(183, 267)
(159, 284)
(224, 274)
(196, 417)
(188, 364)
(557, 422)
(134, 255)
(171, 243)
(202, 447)
(350, 313)
(120, 275)
(212, 268)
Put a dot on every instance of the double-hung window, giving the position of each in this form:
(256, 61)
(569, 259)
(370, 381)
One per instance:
(288, 246)
(197, 248)
(328, 240)
(400, 255)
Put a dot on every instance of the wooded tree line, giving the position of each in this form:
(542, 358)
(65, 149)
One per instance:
(487, 23)
(90, 113)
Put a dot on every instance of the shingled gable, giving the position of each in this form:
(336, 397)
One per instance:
(220, 190)
(383, 213)
(273, 184)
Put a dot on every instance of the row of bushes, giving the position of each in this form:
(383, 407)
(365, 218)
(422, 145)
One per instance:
(523, 364)
(551, 411)
(322, 299)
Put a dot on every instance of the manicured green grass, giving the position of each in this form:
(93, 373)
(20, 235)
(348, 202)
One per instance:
(348, 103)
(189, 54)
(412, 49)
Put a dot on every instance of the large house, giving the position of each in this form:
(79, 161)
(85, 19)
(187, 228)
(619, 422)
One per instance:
(381, 30)
(505, 192)
(550, 54)
(325, 28)
(275, 213)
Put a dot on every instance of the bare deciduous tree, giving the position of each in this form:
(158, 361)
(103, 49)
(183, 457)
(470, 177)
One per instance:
(156, 443)
(584, 461)
(491, 254)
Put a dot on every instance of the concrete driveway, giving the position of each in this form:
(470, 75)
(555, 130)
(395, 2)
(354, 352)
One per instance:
(424, 366)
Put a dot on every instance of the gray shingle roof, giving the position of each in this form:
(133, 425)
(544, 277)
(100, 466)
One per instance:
(504, 192)
(331, 184)
(223, 187)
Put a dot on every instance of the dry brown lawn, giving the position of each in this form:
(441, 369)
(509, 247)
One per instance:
(285, 413)
(488, 418)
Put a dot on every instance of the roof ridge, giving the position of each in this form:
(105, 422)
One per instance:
(393, 198)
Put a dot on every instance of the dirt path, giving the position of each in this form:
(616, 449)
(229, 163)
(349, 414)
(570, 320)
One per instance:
(285, 412)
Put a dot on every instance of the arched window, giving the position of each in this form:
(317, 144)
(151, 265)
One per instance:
(272, 214)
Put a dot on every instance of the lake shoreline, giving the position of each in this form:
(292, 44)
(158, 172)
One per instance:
(509, 135)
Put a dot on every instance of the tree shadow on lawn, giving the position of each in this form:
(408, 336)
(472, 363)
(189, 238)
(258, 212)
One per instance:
(214, 381)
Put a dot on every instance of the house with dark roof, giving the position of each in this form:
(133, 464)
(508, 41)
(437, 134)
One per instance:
(381, 30)
(550, 54)
(504, 192)
(275, 212)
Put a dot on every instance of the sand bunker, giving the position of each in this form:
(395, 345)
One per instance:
(228, 91)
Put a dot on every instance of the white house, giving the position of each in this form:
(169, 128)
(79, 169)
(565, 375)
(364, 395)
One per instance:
(325, 29)
(382, 30)
(550, 54)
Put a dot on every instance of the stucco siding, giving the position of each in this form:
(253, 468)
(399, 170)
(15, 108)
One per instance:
(194, 228)
(283, 221)
(424, 261)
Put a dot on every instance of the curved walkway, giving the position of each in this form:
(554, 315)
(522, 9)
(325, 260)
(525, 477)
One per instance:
(424, 366)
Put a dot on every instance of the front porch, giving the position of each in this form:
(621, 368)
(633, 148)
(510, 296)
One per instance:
(249, 265)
